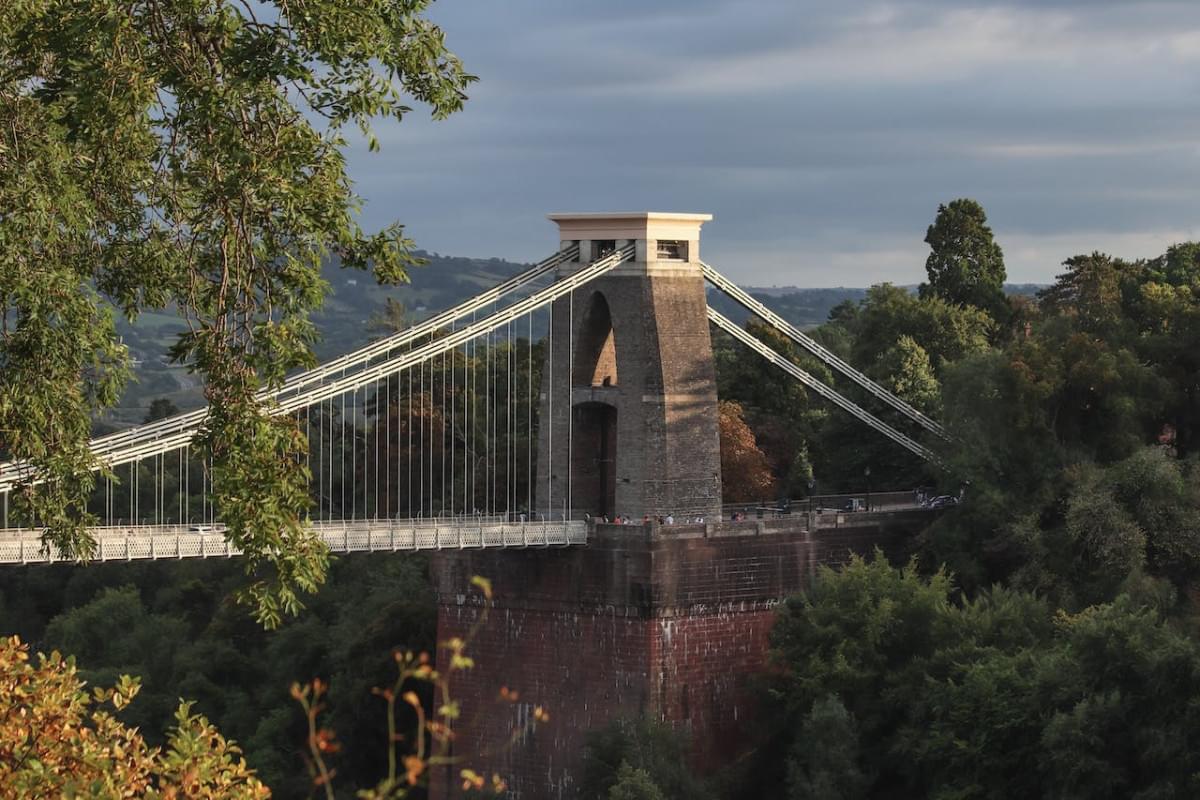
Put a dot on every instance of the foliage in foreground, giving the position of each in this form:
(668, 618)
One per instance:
(161, 153)
(50, 745)
(57, 740)
(414, 756)
(177, 627)
(894, 685)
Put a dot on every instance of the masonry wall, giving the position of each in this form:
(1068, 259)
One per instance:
(667, 448)
(667, 622)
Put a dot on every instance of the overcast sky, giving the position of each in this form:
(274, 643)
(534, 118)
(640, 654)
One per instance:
(821, 135)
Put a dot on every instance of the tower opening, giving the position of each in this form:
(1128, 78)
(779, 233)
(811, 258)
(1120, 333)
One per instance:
(594, 459)
(596, 350)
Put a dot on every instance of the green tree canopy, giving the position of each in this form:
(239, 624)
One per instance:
(945, 331)
(634, 784)
(639, 758)
(825, 763)
(160, 408)
(1093, 291)
(175, 625)
(994, 697)
(776, 407)
(905, 370)
(965, 265)
(190, 152)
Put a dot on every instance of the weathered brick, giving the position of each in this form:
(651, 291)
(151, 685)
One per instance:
(647, 442)
(667, 622)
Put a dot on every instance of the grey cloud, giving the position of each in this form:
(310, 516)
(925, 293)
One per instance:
(811, 148)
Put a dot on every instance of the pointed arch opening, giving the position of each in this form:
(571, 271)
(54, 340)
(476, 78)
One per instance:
(596, 348)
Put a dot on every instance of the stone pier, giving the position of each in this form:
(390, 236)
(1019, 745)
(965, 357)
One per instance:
(668, 622)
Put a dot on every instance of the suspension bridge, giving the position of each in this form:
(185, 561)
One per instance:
(581, 387)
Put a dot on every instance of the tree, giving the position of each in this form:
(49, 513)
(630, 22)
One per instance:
(51, 746)
(996, 696)
(946, 331)
(774, 405)
(645, 756)
(745, 476)
(1179, 266)
(1092, 291)
(1165, 307)
(116, 635)
(965, 266)
(392, 318)
(905, 343)
(214, 180)
(905, 369)
(175, 626)
(1132, 526)
(824, 763)
(634, 784)
(58, 740)
(160, 408)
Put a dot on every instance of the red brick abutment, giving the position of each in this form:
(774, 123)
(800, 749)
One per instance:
(668, 622)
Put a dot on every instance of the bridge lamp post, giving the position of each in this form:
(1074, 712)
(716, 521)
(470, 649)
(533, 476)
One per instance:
(867, 473)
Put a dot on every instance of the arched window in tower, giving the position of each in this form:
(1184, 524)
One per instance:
(596, 350)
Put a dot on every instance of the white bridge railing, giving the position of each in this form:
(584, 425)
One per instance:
(129, 543)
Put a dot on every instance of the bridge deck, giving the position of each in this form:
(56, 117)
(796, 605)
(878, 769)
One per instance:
(125, 543)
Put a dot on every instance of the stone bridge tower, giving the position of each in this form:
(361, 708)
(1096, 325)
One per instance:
(667, 622)
(631, 351)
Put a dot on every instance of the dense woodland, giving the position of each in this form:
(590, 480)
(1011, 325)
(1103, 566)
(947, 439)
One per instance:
(178, 628)
(1043, 640)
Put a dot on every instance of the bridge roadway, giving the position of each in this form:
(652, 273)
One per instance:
(130, 543)
(143, 542)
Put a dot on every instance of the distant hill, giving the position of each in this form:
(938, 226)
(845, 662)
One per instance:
(1023, 289)
(355, 299)
(804, 308)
